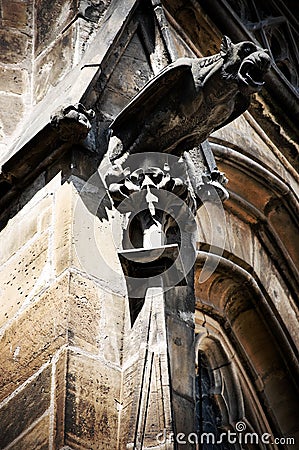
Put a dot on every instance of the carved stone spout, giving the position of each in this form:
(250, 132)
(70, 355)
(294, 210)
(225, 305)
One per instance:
(188, 100)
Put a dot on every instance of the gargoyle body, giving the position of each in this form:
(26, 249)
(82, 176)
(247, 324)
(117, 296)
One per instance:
(188, 100)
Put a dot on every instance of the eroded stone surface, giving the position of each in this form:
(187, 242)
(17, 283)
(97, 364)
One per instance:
(12, 80)
(15, 14)
(59, 399)
(37, 436)
(91, 414)
(22, 277)
(28, 405)
(51, 19)
(13, 46)
(53, 64)
(23, 227)
(11, 110)
(34, 336)
(96, 319)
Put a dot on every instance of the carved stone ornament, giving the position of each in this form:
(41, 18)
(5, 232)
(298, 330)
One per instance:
(154, 195)
(140, 179)
(180, 107)
(176, 111)
(72, 122)
(212, 184)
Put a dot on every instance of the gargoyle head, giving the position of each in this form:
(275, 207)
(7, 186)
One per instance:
(72, 122)
(245, 63)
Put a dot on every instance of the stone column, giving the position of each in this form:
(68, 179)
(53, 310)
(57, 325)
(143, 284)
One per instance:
(159, 361)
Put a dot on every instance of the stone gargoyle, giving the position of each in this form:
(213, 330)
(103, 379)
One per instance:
(192, 97)
(72, 122)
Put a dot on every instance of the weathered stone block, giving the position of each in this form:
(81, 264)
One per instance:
(184, 420)
(84, 318)
(13, 47)
(132, 379)
(283, 400)
(239, 238)
(130, 400)
(243, 134)
(63, 228)
(255, 339)
(53, 64)
(12, 80)
(20, 277)
(34, 337)
(44, 219)
(37, 437)
(146, 373)
(211, 225)
(11, 112)
(277, 289)
(91, 408)
(84, 240)
(156, 411)
(14, 14)
(133, 71)
(31, 195)
(23, 227)
(180, 338)
(95, 318)
(180, 299)
(112, 328)
(51, 19)
(246, 187)
(146, 399)
(27, 406)
(287, 229)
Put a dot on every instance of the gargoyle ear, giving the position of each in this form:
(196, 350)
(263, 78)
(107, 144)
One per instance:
(226, 45)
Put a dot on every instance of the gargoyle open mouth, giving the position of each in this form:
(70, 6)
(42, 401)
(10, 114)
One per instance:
(252, 71)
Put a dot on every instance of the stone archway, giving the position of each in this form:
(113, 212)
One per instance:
(238, 328)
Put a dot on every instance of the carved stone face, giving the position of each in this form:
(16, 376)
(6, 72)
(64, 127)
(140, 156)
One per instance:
(245, 63)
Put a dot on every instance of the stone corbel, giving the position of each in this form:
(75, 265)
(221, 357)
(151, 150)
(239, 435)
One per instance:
(72, 122)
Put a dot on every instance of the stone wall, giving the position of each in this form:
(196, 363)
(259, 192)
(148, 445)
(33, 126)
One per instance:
(40, 43)
(16, 37)
(60, 358)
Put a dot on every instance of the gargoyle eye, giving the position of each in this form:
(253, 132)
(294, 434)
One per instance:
(247, 50)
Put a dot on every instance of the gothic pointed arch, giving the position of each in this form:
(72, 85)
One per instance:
(226, 398)
(233, 300)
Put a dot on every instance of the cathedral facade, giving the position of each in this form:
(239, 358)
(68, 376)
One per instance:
(149, 224)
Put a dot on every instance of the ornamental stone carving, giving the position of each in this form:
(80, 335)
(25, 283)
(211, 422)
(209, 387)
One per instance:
(175, 112)
(72, 122)
(188, 100)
